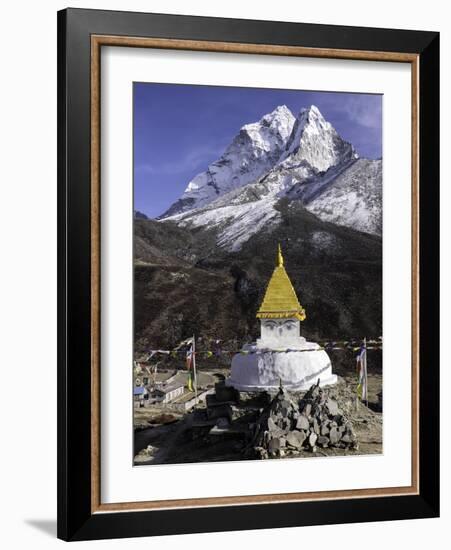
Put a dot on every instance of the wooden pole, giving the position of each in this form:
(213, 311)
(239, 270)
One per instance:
(365, 370)
(194, 368)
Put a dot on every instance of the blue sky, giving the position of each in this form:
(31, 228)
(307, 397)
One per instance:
(180, 129)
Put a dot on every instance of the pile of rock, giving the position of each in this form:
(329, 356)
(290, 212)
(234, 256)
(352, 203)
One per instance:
(306, 424)
(145, 454)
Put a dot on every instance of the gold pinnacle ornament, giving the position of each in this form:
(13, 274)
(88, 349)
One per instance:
(280, 301)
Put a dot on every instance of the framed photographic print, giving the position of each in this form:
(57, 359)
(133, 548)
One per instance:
(248, 274)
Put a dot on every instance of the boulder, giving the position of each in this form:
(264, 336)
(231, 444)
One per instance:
(324, 430)
(312, 439)
(332, 406)
(296, 439)
(316, 426)
(274, 445)
(272, 426)
(334, 436)
(302, 423)
(348, 437)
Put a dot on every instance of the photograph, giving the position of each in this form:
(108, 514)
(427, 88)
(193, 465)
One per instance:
(257, 274)
(248, 268)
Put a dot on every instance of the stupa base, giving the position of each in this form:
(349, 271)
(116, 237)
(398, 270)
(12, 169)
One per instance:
(256, 370)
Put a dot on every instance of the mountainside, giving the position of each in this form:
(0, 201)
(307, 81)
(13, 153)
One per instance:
(184, 283)
(204, 265)
(139, 215)
(354, 199)
(315, 141)
(312, 165)
(251, 154)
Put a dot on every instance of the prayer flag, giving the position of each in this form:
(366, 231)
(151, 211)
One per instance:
(189, 366)
(362, 387)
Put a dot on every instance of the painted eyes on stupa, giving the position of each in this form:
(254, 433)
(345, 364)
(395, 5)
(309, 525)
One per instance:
(281, 325)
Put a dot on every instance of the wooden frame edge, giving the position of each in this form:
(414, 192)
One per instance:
(262, 49)
(415, 270)
(95, 276)
(98, 40)
(247, 500)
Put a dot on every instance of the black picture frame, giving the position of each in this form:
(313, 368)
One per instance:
(76, 519)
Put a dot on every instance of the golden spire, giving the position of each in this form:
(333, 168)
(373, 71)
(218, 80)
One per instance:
(280, 301)
(279, 257)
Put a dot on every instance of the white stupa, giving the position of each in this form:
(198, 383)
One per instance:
(281, 354)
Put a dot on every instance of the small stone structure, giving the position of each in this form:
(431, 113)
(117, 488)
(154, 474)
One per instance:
(315, 421)
(272, 427)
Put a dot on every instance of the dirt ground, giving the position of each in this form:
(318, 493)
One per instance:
(174, 441)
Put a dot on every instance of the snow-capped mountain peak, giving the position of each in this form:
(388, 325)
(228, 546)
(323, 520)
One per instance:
(312, 115)
(274, 126)
(316, 141)
(303, 159)
(251, 154)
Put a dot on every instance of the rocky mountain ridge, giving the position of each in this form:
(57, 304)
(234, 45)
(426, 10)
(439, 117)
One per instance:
(253, 151)
(302, 159)
(204, 267)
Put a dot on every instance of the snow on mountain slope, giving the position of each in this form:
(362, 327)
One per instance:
(243, 212)
(351, 197)
(355, 198)
(308, 188)
(315, 141)
(235, 223)
(251, 154)
(316, 167)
